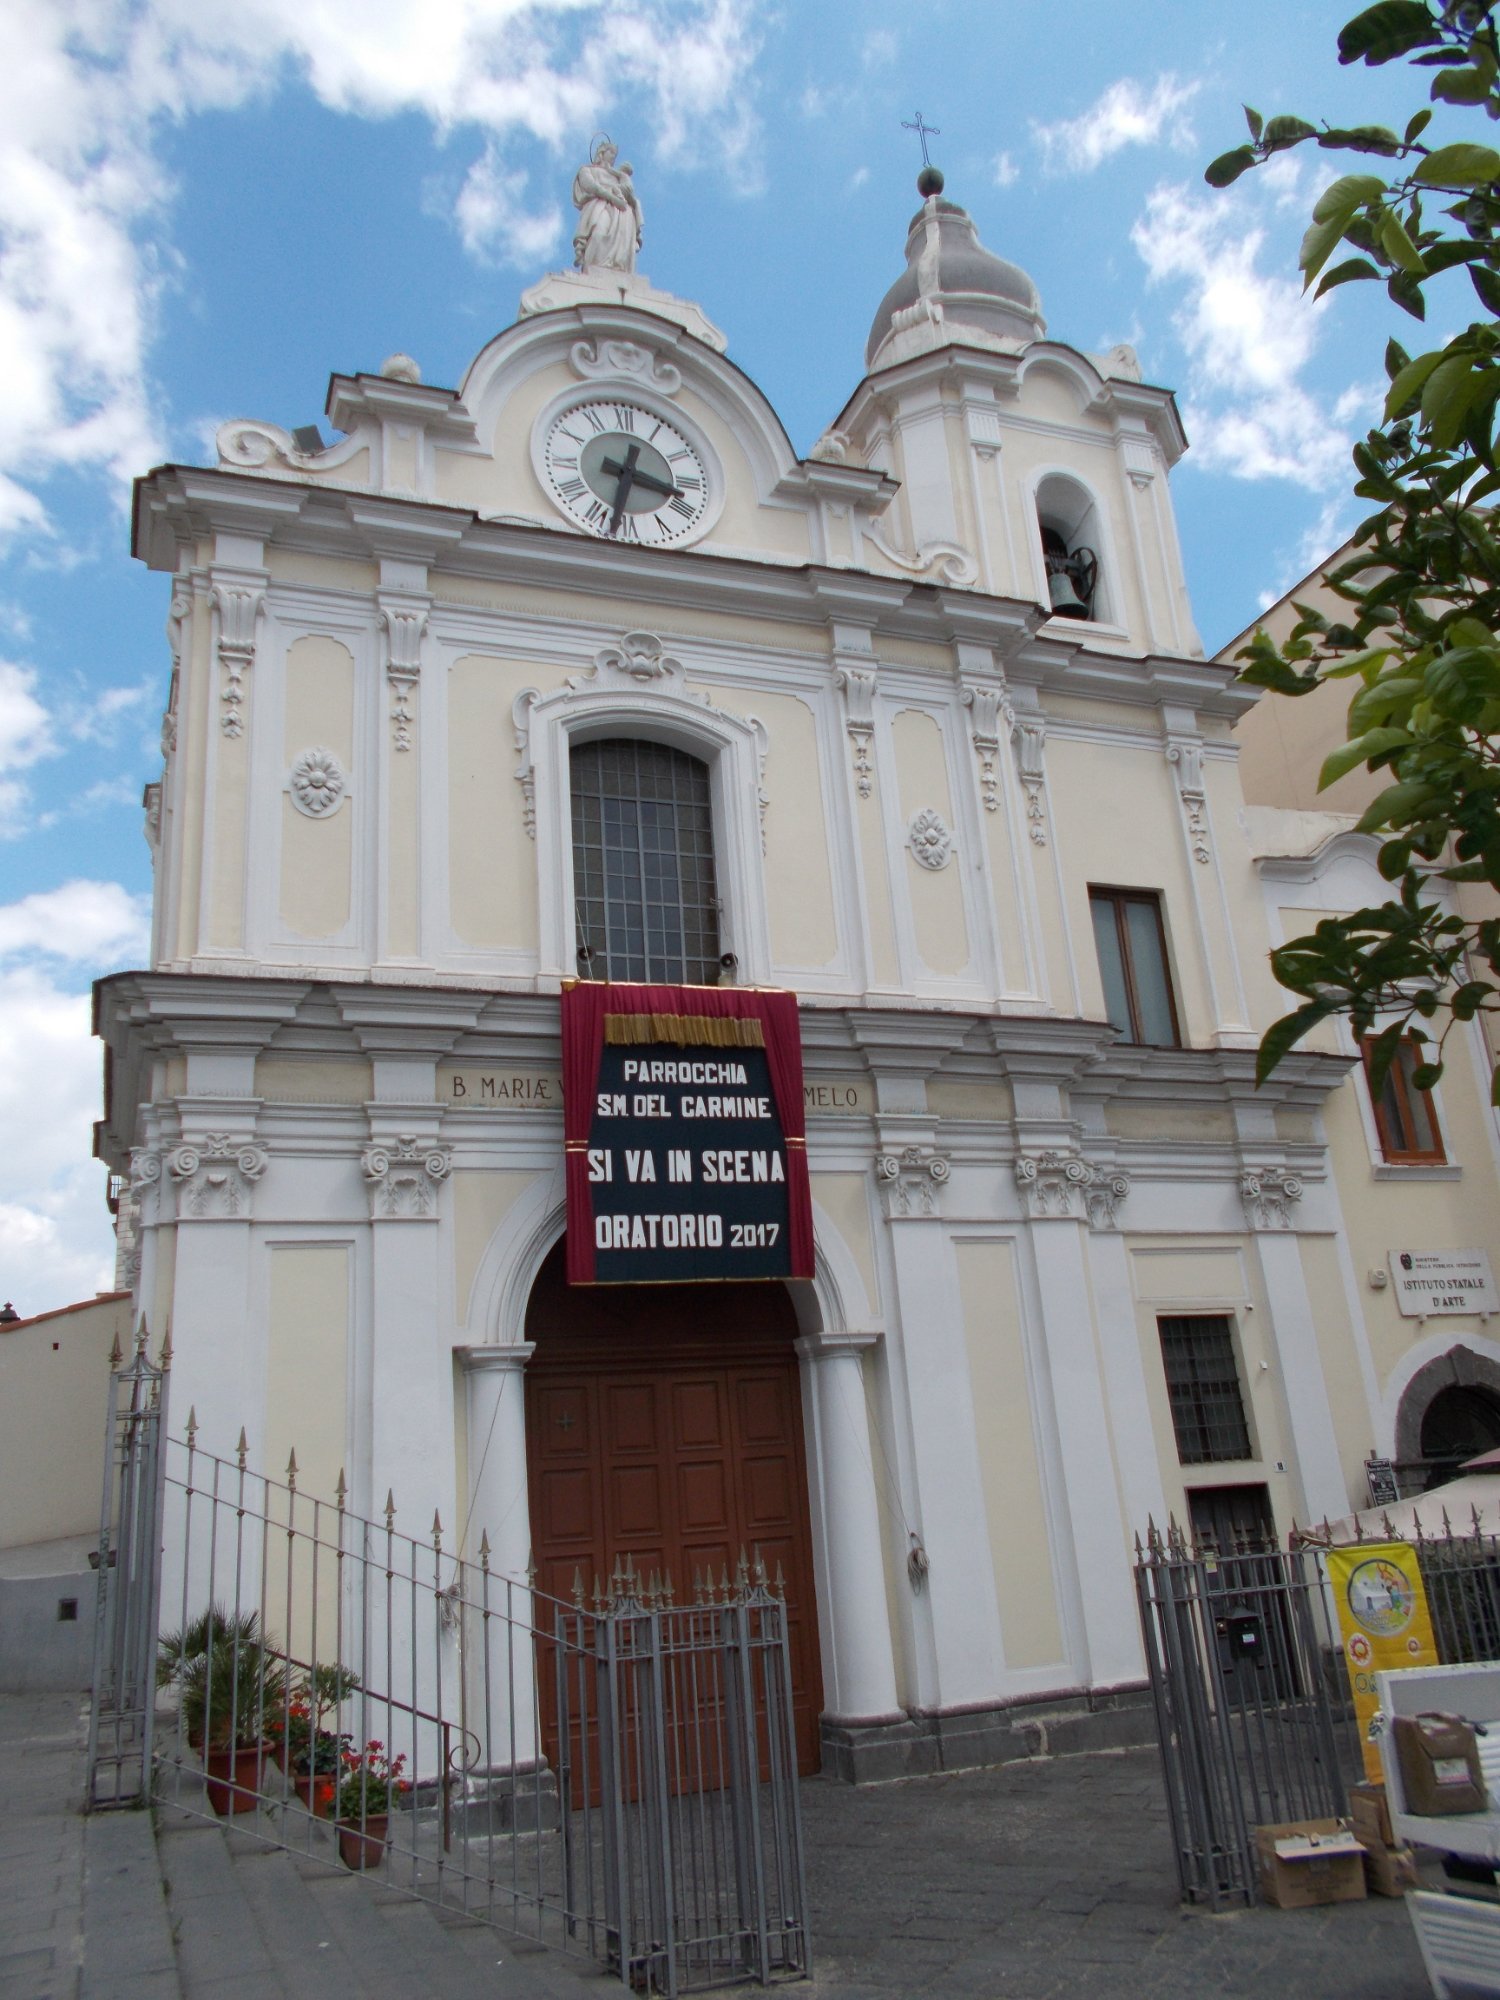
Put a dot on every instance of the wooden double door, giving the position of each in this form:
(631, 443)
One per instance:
(664, 1425)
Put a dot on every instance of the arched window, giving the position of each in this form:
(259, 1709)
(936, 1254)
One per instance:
(1459, 1423)
(645, 893)
(1069, 524)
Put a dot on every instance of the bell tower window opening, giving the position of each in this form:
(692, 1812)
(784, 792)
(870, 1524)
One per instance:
(645, 891)
(1068, 522)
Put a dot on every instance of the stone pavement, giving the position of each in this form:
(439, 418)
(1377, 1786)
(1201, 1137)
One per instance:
(1049, 1879)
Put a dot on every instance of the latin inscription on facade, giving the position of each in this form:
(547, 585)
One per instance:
(471, 1088)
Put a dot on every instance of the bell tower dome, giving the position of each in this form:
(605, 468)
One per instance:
(953, 290)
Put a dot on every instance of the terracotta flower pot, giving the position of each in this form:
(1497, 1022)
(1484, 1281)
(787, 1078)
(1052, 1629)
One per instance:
(361, 1845)
(316, 1792)
(234, 1778)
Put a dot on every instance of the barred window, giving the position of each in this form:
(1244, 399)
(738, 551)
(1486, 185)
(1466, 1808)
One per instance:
(1208, 1411)
(645, 897)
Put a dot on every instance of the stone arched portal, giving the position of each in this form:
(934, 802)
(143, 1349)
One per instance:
(1433, 1392)
(664, 1424)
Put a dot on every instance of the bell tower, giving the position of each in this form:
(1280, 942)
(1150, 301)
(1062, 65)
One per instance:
(1046, 466)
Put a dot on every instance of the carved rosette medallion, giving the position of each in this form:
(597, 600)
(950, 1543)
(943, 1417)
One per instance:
(317, 783)
(403, 1176)
(929, 838)
(911, 1180)
(1270, 1195)
(214, 1177)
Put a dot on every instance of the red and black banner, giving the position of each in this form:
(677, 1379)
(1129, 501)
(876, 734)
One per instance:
(686, 1149)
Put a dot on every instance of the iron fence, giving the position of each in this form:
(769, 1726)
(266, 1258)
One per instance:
(1253, 1709)
(614, 1777)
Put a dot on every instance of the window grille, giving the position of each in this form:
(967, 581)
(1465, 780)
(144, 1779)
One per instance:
(1208, 1411)
(1132, 951)
(643, 863)
(1405, 1117)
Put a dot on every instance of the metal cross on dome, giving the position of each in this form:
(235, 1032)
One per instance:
(923, 132)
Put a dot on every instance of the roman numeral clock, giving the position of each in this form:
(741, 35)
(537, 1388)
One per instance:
(624, 473)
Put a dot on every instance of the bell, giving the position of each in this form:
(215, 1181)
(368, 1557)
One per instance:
(1066, 603)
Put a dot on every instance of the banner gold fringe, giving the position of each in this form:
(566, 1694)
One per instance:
(685, 1030)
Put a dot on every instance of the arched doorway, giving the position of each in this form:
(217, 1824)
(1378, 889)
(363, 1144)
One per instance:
(1459, 1423)
(664, 1423)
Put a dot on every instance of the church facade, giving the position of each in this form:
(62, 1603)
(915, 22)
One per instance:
(579, 670)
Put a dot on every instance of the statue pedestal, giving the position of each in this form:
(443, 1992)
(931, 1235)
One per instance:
(563, 289)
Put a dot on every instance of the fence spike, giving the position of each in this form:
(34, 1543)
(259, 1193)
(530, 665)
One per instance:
(1474, 1510)
(341, 1491)
(742, 1571)
(599, 1599)
(291, 1470)
(577, 1583)
(192, 1425)
(242, 1449)
(780, 1580)
(141, 1339)
(115, 1356)
(165, 1358)
(437, 1530)
(697, 1584)
(1447, 1525)
(724, 1583)
(484, 1549)
(668, 1593)
(390, 1508)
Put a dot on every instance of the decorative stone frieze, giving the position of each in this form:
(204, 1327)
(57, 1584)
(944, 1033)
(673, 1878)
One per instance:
(1185, 755)
(951, 560)
(624, 360)
(1057, 1184)
(525, 771)
(857, 685)
(240, 601)
(214, 1177)
(403, 1176)
(151, 801)
(928, 837)
(404, 620)
(911, 1180)
(639, 659)
(1270, 1195)
(317, 783)
(988, 706)
(1029, 736)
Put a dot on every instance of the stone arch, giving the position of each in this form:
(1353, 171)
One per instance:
(1458, 1367)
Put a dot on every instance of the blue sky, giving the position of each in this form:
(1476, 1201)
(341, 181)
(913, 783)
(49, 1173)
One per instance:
(206, 208)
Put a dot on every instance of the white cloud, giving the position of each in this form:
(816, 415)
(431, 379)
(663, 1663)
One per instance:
(1004, 170)
(88, 86)
(25, 736)
(858, 178)
(1249, 337)
(56, 1244)
(879, 49)
(1126, 114)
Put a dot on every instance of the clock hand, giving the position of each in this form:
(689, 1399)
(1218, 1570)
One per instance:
(625, 477)
(638, 477)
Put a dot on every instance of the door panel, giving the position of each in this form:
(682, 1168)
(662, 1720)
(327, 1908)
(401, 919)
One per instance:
(664, 1423)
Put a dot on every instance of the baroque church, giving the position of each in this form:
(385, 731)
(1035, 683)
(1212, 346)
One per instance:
(578, 671)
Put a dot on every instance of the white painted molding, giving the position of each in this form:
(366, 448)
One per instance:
(987, 705)
(1029, 738)
(1185, 755)
(928, 838)
(626, 361)
(1270, 1195)
(317, 783)
(240, 600)
(1067, 1185)
(912, 1179)
(214, 1177)
(404, 621)
(857, 685)
(403, 1176)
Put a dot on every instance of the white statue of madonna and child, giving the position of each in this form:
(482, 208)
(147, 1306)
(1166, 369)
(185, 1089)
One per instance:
(609, 212)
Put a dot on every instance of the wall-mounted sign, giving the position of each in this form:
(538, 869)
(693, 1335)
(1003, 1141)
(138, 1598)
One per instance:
(485, 1087)
(686, 1149)
(1385, 1490)
(1430, 1282)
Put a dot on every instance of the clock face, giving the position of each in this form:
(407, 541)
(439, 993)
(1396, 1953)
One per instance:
(624, 473)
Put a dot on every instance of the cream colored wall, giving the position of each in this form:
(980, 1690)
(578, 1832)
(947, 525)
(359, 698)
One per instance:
(481, 1201)
(845, 1199)
(491, 863)
(307, 1375)
(311, 1080)
(317, 855)
(54, 1396)
(937, 899)
(1015, 1505)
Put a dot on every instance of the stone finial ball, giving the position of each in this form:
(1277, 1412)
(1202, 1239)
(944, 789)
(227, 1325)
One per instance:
(929, 182)
(400, 368)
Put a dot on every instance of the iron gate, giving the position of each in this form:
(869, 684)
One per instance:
(1247, 1671)
(615, 1777)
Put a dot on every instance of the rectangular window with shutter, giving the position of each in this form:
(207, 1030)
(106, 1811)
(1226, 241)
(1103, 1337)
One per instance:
(1405, 1117)
(1132, 949)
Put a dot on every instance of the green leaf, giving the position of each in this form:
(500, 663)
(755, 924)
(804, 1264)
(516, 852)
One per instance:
(1395, 806)
(1254, 120)
(1459, 166)
(1487, 284)
(1283, 132)
(1460, 86)
(1396, 358)
(1374, 743)
(1411, 380)
(1283, 1035)
(1398, 246)
(1448, 395)
(1391, 28)
(1342, 274)
(1418, 124)
(1361, 139)
(1349, 192)
(1223, 171)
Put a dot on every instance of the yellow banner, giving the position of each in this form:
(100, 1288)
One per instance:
(1384, 1620)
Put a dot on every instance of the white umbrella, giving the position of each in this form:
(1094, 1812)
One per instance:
(1476, 1494)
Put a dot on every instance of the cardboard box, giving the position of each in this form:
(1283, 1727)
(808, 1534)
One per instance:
(1306, 1862)
(1371, 1815)
(1389, 1871)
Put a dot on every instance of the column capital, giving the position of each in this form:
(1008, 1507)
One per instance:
(828, 1345)
(493, 1359)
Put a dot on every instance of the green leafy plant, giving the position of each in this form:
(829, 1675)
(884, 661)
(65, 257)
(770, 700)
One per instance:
(1418, 644)
(372, 1782)
(306, 1747)
(231, 1684)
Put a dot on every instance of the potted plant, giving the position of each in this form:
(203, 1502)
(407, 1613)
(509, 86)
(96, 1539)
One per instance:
(231, 1686)
(311, 1755)
(371, 1784)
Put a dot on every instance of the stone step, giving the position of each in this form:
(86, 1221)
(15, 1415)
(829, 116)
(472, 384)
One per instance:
(256, 1922)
